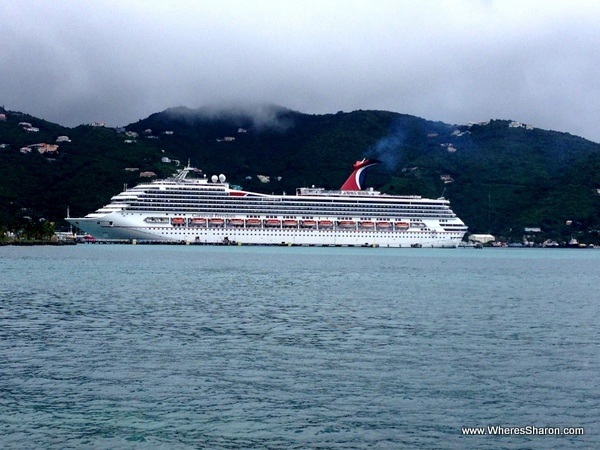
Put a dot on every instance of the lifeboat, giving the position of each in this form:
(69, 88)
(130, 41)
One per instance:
(216, 222)
(325, 223)
(366, 224)
(346, 223)
(402, 225)
(290, 223)
(236, 222)
(177, 221)
(253, 222)
(156, 219)
(384, 225)
(308, 223)
(197, 221)
(272, 223)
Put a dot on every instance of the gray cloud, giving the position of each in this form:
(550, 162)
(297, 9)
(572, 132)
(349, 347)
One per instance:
(76, 62)
(257, 115)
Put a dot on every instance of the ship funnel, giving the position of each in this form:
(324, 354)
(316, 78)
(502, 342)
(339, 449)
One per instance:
(355, 180)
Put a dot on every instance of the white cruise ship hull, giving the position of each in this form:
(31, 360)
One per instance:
(212, 212)
(132, 226)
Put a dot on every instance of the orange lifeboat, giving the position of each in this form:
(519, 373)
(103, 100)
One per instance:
(178, 221)
(402, 225)
(346, 223)
(236, 222)
(384, 225)
(272, 223)
(290, 223)
(197, 221)
(216, 222)
(366, 224)
(253, 222)
(308, 223)
(325, 223)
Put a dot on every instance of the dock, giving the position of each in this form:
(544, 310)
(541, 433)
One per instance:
(224, 243)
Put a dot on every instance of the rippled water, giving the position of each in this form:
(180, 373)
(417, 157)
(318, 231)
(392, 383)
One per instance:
(259, 347)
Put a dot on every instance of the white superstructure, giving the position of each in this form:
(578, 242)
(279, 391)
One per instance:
(211, 211)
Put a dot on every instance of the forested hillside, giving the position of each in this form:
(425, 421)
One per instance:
(500, 176)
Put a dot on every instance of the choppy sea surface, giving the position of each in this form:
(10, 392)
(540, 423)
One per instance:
(186, 347)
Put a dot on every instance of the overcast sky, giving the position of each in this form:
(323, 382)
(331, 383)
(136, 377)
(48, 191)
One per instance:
(75, 62)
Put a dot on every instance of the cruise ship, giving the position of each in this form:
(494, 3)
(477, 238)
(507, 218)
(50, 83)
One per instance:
(188, 208)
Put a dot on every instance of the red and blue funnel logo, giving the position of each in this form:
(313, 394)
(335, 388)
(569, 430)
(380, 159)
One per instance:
(355, 180)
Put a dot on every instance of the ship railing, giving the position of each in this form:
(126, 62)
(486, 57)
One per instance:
(336, 193)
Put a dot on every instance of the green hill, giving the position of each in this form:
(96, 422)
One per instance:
(83, 174)
(501, 177)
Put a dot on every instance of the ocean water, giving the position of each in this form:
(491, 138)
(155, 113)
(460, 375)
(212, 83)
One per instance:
(187, 347)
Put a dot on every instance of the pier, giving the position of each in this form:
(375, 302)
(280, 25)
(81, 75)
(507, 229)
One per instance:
(224, 242)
